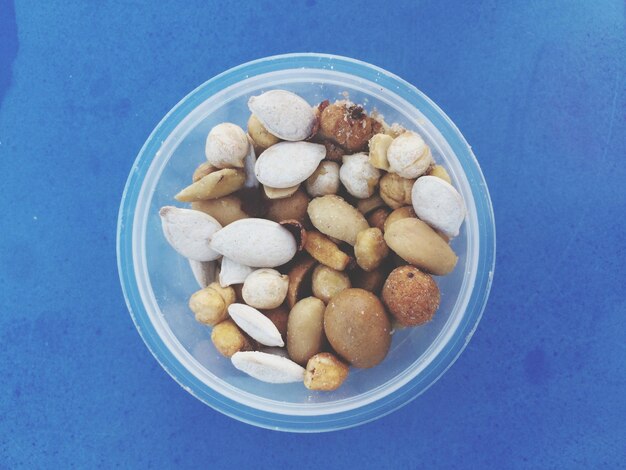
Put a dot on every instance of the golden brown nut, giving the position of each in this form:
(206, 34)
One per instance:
(326, 282)
(305, 329)
(325, 372)
(357, 327)
(216, 184)
(395, 190)
(300, 279)
(279, 317)
(370, 249)
(411, 296)
(225, 209)
(292, 207)
(378, 217)
(399, 214)
(229, 339)
(440, 172)
(347, 125)
(202, 170)
(261, 137)
(210, 305)
(325, 251)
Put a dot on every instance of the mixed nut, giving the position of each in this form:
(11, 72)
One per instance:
(309, 255)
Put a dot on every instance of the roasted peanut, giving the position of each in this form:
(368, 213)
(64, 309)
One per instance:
(327, 282)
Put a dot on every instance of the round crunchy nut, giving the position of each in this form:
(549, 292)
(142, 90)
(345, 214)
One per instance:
(259, 134)
(325, 372)
(324, 180)
(399, 214)
(440, 172)
(347, 125)
(229, 339)
(378, 217)
(226, 146)
(211, 303)
(358, 176)
(395, 190)
(378, 151)
(328, 282)
(411, 296)
(292, 207)
(408, 155)
(370, 249)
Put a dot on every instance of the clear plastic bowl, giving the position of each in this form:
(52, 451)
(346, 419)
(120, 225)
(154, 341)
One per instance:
(157, 282)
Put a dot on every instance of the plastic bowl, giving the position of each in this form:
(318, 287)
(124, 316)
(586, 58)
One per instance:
(157, 282)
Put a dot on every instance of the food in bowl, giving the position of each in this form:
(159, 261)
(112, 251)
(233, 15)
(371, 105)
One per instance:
(350, 221)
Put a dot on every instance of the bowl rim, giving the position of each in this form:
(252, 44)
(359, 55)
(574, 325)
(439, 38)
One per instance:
(388, 403)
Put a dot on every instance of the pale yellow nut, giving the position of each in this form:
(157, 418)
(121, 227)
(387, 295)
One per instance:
(440, 172)
(327, 282)
(224, 209)
(370, 249)
(229, 339)
(325, 251)
(325, 372)
(305, 329)
(399, 214)
(210, 305)
(395, 190)
(214, 185)
(260, 135)
(203, 169)
(279, 193)
(378, 151)
(336, 218)
(365, 206)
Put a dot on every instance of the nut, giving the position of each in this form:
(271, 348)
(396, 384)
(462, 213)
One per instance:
(395, 190)
(370, 249)
(358, 176)
(327, 282)
(261, 137)
(325, 372)
(411, 296)
(225, 209)
(189, 232)
(378, 218)
(408, 155)
(399, 214)
(365, 206)
(211, 303)
(418, 244)
(257, 325)
(229, 339)
(299, 277)
(284, 114)
(440, 172)
(290, 208)
(287, 164)
(265, 288)
(305, 329)
(347, 125)
(217, 184)
(334, 217)
(202, 170)
(438, 204)
(279, 193)
(333, 151)
(378, 151)
(266, 367)
(232, 272)
(226, 146)
(325, 251)
(324, 180)
(297, 230)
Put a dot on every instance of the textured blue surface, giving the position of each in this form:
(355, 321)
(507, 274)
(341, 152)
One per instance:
(537, 88)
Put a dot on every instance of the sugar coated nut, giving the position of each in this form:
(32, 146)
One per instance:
(257, 325)
(214, 185)
(259, 134)
(265, 288)
(287, 164)
(325, 372)
(226, 146)
(408, 155)
(365, 206)
(276, 193)
(224, 209)
(347, 125)
(324, 180)
(334, 217)
(232, 272)
(190, 232)
(399, 214)
(357, 327)
(229, 339)
(370, 249)
(284, 114)
(327, 282)
(411, 296)
(299, 279)
(211, 303)
(378, 151)
(291, 208)
(258, 243)
(396, 190)
(305, 329)
(378, 217)
(438, 204)
(440, 172)
(266, 367)
(418, 244)
(202, 170)
(358, 176)
(325, 251)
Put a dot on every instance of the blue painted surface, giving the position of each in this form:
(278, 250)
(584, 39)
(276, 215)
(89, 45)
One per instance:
(537, 88)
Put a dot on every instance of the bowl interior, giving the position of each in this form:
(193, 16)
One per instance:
(165, 280)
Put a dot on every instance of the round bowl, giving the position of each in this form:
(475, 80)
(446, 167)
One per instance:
(157, 282)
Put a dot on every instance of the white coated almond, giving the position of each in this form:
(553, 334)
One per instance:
(287, 164)
(265, 288)
(438, 204)
(358, 175)
(257, 325)
(226, 146)
(233, 272)
(284, 114)
(408, 155)
(268, 367)
(190, 232)
(205, 272)
(258, 243)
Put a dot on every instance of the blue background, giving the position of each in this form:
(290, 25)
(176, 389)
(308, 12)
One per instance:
(537, 88)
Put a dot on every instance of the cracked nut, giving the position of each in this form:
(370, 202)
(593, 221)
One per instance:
(370, 249)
